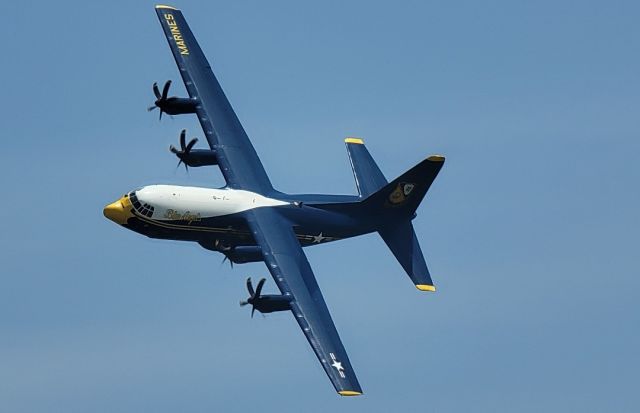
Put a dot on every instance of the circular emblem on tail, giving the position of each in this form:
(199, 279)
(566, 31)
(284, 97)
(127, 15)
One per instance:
(401, 193)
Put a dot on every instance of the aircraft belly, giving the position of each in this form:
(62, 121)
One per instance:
(232, 230)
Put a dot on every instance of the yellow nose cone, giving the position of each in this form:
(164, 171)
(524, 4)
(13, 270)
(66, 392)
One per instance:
(119, 211)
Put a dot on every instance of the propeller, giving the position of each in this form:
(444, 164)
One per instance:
(254, 296)
(161, 98)
(185, 148)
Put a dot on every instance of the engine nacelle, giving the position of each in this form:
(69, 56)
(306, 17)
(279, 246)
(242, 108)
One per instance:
(271, 303)
(200, 157)
(178, 106)
(243, 254)
(237, 255)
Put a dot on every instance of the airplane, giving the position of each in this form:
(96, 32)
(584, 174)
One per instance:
(249, 221)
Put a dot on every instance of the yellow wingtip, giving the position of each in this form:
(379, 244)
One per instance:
(162, 6)
(436, 158)
(354, 140)
(426, 287)
(349, 393)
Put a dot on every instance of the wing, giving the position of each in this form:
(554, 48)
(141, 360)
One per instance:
(237, 158)
(292, 273)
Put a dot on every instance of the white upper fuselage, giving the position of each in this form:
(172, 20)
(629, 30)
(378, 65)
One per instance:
(172, 202)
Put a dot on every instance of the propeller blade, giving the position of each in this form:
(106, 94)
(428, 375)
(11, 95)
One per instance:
(190, 145)
(259, 287)
(156, 91)
(150, 108)
(243, 303)
(173, 149)
(165, 90)
(225, 259)
(250, 288)
(160, 114)
(183, 136)
(253, 310)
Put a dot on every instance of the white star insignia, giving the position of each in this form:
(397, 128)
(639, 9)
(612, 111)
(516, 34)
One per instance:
(318, 238)
(337, 365)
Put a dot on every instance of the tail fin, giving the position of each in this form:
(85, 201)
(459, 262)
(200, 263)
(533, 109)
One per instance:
(403, 243)
(402, 196)
(368, 176)
(399, 201)
(392, 206)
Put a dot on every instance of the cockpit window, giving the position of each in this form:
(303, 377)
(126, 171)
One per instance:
(146, 209)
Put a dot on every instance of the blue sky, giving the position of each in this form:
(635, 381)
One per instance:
(530, 230)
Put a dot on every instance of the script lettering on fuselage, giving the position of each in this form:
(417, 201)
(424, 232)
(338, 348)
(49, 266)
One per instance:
(175, 32)
(187, 216)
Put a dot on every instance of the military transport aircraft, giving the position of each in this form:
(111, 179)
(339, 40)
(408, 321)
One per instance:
(249, 221)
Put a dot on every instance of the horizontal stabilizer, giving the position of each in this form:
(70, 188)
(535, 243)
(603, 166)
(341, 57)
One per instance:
(403, 243)
(368, 176)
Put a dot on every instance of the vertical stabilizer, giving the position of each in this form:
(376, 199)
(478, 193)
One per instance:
(402, 196)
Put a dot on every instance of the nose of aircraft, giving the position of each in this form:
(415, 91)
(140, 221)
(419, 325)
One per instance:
(119, 211)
